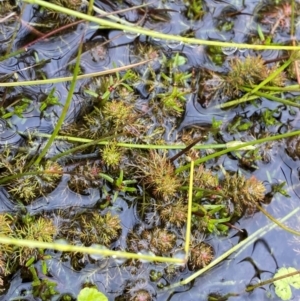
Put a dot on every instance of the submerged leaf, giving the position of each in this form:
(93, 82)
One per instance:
(283, 291)
(282, 286)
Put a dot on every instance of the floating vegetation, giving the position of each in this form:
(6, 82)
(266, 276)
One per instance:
(158, 173)
(144, 187)
(200, 255)
(244, 193)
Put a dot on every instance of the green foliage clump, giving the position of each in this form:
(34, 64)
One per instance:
(194, 9)
(175, 213)
(29, 187)
(244, 193)
(157, 172)
(112, 154)
(97, 229)
(204, 178)
(85, 176)
(173, 100)
(118, 113)
(249, 72)
(37, 229)
(201, 254)
(44, 289)
(43, 179)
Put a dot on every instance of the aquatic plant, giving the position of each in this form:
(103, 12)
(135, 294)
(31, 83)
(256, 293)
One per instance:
(141, 295)
(194, 9)
(91, 294)
(39, 179)
(175, 213)
(119, 114)
(6, 251)
(173, 100)
(92, 126)
(138, 291)
(85, 176)
(6, 7)
(248, 72)
(204, 178)
(201, 254)
(293, 147)
(216, 54)
(282, 286)
(56, 19)
(103, 126)
(98, 229)
(32, 228)
(157, 172)
(44, 288)
(162, 241)
(211, 218)
(112, 154)
(244, 193)
(30, 187)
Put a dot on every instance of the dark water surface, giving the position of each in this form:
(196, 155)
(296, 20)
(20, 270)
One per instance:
(259, 260)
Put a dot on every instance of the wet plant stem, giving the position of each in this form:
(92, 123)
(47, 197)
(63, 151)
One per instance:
(254, 90)
(274, 98)
(152, 33)
(251, 288)
(69, 97)
(230, 149)
(189, 213)
(290, 88)
(64, 111)
(259, 233)
(85, 250)
(83, 146)
(24, 174)
(273, 219)
(69, 78)
(130, 145)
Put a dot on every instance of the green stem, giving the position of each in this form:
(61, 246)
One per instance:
(272, 76)
(250, 238)
(251, 288)
(130, 145)
(274, 220)
(85, 250)
(24, 174)
(65, 108)
(152, 33)
(69, 78)
(235, 102)
(279, 89)
(189, 213)
(80, 147)
(225, 151)
(274, 98)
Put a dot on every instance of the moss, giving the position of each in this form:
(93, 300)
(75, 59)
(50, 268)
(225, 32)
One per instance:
(37, 229)
(157, 172)
(244, 193)
(98, 229)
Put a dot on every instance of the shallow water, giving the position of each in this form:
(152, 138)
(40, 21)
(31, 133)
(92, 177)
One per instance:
(273, 249)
